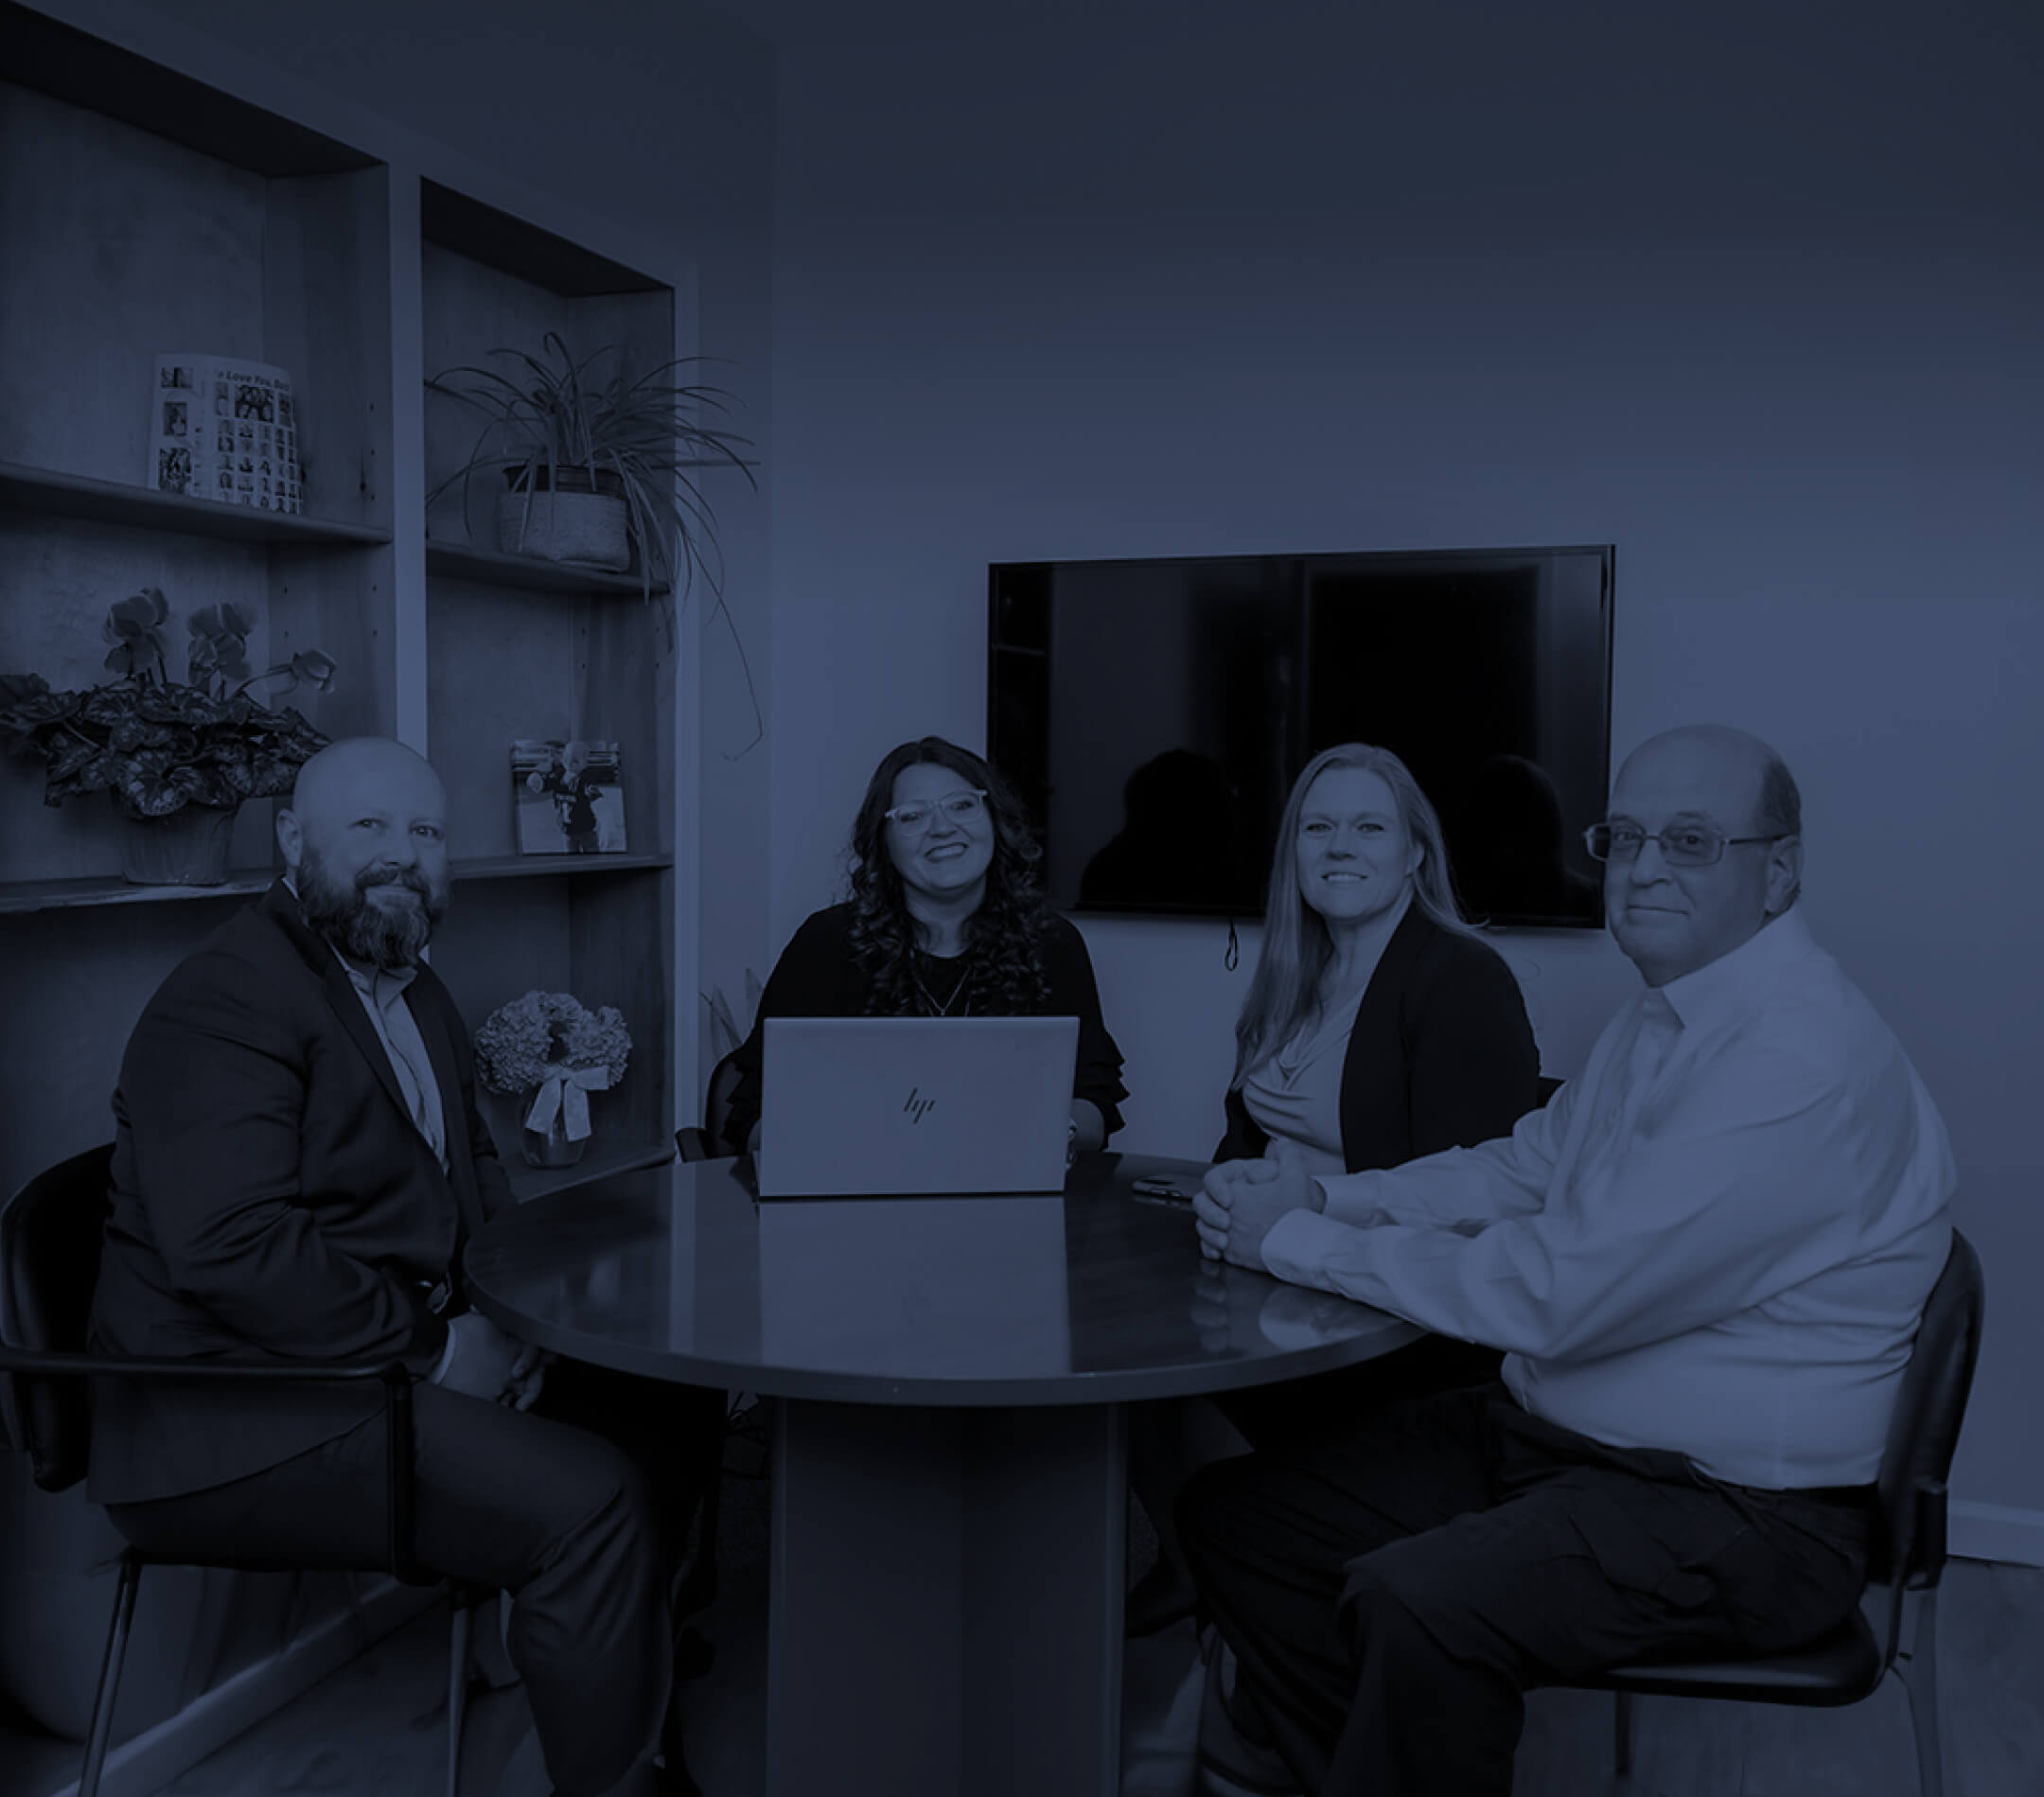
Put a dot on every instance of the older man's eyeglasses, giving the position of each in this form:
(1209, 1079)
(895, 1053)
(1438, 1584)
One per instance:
(1683, 845)
(958, 807)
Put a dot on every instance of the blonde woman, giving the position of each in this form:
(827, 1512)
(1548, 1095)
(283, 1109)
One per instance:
(1378, 1026)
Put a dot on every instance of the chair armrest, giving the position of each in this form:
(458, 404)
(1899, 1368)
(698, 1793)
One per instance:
(162, 1367)
(1932, 1495)
(393, 1375)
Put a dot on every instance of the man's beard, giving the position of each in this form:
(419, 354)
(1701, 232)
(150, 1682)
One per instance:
(362, 927)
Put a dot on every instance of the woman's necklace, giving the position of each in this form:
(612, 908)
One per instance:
(956, 991)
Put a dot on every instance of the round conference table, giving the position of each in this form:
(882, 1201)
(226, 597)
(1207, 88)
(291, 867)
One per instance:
(949, 1471)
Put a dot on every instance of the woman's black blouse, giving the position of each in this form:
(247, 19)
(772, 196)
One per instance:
(817, 976)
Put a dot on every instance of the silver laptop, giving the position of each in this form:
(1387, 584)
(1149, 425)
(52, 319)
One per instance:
(914, 1106)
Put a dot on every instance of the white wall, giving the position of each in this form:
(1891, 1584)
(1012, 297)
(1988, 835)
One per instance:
(1757, 298)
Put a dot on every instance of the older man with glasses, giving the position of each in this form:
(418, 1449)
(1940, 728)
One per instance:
(1705, 1260)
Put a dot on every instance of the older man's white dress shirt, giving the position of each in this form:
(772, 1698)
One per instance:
(1718, 1241)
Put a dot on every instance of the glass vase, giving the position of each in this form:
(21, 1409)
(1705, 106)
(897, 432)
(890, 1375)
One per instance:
(551, 1146)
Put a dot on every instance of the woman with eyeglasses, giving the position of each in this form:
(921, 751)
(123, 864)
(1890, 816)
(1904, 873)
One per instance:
(946, 920)
(1378, 1026)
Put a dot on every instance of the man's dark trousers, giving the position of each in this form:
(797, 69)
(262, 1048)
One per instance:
(581, 1529)
(1392, 1590)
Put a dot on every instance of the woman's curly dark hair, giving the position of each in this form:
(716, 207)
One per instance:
(1003, 973)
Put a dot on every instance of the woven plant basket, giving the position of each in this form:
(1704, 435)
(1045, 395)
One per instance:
(580, 527)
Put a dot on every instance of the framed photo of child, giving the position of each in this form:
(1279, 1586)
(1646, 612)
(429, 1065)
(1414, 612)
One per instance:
(568, 797)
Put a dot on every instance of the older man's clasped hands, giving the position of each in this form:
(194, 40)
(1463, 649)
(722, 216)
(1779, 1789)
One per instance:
(1241, 1199)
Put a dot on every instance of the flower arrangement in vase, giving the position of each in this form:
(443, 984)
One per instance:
(551, 1045)
(177, 757)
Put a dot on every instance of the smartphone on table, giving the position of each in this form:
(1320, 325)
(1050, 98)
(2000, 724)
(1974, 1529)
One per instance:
(1176, 1192)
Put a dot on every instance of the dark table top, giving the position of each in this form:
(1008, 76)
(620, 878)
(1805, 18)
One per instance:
(1088, 1296)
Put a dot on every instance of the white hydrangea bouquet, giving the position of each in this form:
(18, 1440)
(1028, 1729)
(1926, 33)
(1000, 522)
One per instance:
(552, 1045)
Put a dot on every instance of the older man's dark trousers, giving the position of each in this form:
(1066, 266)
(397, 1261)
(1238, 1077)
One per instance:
(581, 1529)
(1391, 1589)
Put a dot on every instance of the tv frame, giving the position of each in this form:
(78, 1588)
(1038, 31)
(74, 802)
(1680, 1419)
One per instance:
(1607, 603)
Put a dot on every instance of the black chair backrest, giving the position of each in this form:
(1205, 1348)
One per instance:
(1929, 1406)
(51, 1234)
(718, 1102)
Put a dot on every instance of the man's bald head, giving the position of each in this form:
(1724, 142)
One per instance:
(365, 839)
(1671, 920)
(330, 781)
(1748, 771)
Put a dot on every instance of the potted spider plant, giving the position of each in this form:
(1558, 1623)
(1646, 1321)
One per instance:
(177, 757)
(594, 459)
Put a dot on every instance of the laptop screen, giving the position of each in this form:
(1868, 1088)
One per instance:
(901, 1106)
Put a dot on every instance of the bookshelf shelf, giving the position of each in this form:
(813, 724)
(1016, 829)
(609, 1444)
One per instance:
(531, 867)
(52, 57)
(69, 895)
(493, 568)
(604, 1162)
(34, 490)
(63, 895)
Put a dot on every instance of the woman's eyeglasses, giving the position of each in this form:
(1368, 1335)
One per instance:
(958, 807)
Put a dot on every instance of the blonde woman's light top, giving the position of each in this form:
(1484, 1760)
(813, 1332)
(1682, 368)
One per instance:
(1295, 1094)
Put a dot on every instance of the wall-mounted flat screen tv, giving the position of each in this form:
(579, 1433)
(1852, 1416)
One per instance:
(1152, 715)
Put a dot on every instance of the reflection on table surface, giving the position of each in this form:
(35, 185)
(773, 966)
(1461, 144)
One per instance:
(1087, 1295)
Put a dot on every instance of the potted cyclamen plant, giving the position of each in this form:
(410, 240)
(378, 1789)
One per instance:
(550, 1045)
(176, 757)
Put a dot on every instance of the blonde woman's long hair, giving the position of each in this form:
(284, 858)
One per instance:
(1296, 945)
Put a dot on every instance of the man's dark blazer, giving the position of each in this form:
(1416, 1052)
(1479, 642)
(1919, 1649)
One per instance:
(273, 1199)
(1441, 1054)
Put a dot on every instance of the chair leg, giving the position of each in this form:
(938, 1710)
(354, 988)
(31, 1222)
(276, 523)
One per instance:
(457, 1706)
(1622, 1754)
(1918, 1669)
(696, 1586)
(489, 1654)
(110, 1671)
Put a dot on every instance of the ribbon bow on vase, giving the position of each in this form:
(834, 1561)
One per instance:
(558, 1126)
(563, 1095)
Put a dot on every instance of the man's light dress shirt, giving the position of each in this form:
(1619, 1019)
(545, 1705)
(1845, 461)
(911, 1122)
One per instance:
(381, 993)
(1718, 1241)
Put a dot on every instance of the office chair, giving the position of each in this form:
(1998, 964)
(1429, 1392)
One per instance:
(51, 1233)
(1909, 1555)
(698, 1586)
(709, 1142)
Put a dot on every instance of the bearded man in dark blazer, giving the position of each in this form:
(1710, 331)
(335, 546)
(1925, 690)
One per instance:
(298, 1164)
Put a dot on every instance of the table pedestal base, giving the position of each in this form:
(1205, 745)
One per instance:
(946, 1605)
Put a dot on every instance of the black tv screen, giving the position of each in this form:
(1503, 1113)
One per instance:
(1152, 715)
